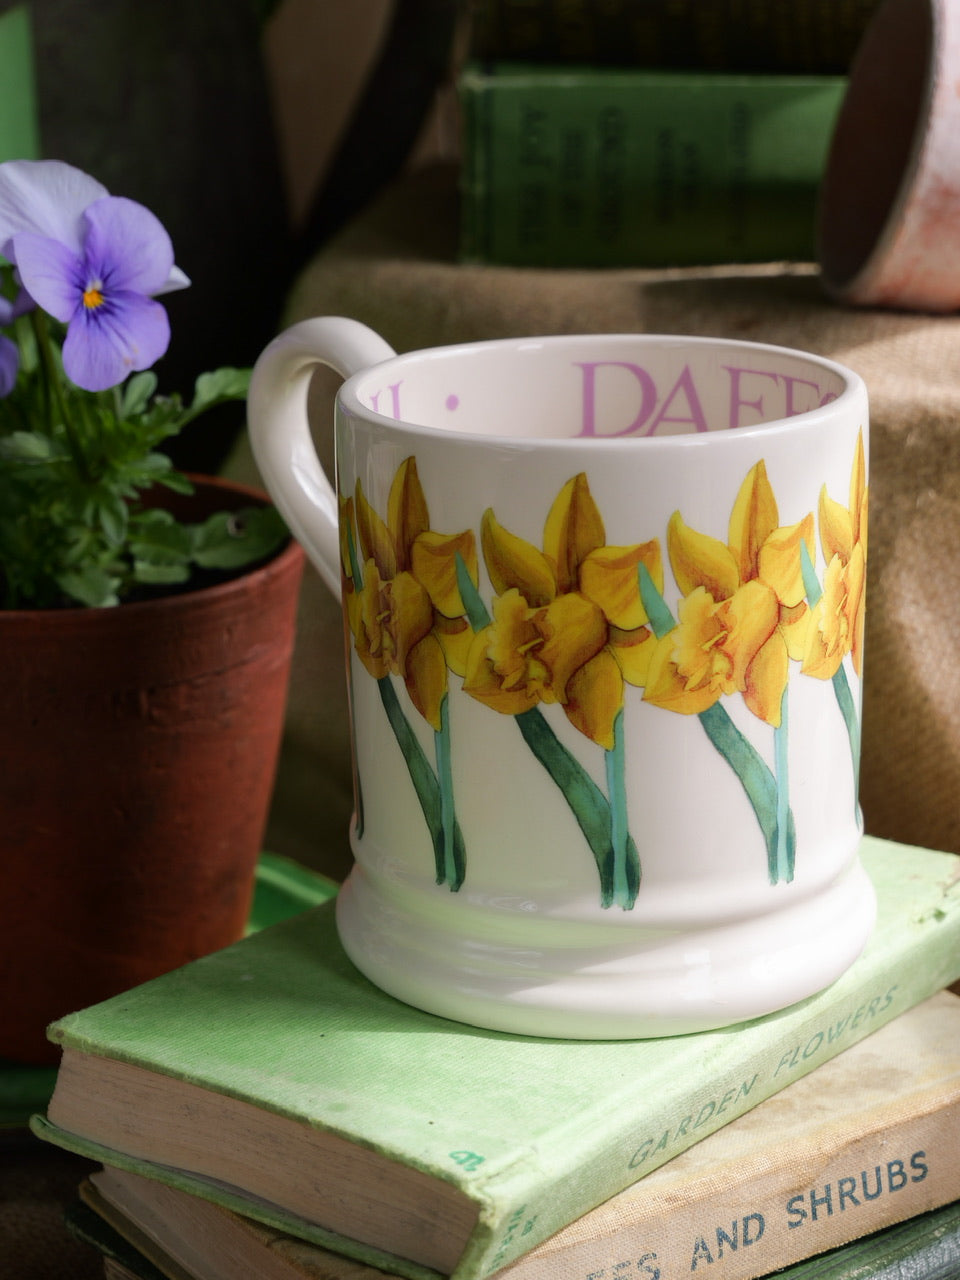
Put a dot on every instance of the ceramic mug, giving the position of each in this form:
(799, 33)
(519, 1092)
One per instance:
(603, 601)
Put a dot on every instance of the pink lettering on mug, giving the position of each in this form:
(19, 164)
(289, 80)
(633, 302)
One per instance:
(695, 415)
(394, 411)
(645, 384)
(792, 402)
(682, 394)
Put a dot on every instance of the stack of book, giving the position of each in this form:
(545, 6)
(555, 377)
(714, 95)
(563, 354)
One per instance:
(649, 132)
(266, 1112)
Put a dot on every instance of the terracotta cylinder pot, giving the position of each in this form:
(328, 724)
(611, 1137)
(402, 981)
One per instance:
(138, 747)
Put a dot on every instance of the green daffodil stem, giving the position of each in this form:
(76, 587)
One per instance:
(427, 788)
(588, 805)
(740, 754)
(586, 801)
(625, 877)
(784, 858)
(445, 781)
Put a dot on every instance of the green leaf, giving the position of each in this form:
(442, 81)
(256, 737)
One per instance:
(158, 540)
(156, 573)
(221, 384)
(113, 515)
(91, 586)
(31, 446)
(137, 392)
(230, 540)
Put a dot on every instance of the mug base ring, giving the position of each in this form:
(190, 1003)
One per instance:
(656, 983)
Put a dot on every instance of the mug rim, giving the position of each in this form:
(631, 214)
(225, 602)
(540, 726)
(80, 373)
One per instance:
(854, 389)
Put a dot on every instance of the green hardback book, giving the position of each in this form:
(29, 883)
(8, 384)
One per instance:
(869, 1139)
(610, 168)
(720, 35)
(925, 1248)
(273, 1079)
(19, 126)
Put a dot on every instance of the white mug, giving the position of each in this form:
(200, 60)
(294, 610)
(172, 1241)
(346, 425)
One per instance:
(603, 601)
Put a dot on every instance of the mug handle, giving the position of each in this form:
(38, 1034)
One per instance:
(280, 431)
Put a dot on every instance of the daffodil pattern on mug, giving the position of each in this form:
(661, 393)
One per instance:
(579, 623)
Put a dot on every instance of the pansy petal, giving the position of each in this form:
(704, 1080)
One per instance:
(700, 561)
(426, 679)
(514, 563)
(127, 246)
(433, 562)
(766, 679)
(177, 279)
(407, 514)
(594, 699)
(779, 560)
(9, 365)
(47, 197)
(752, 521)
(103, 346)
(573, 529)
(375, 539)
(51, 273)
(836, 528)
(609, 577)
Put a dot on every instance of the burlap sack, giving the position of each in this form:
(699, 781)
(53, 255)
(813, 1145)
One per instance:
(395, 270)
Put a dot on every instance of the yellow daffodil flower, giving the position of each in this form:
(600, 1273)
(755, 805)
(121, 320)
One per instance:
(568, 624)
(406, 616)
(836, 627)
(743, 614)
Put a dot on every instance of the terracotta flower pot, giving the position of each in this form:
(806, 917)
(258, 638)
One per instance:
(137, 753)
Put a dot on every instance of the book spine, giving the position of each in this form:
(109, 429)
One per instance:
(823, 1196)
(804, 36)
(765, 1057)
(923, 1248)
(19, 120)
(617, 169)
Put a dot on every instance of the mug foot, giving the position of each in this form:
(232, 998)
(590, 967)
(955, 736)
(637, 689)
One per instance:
(576, 980)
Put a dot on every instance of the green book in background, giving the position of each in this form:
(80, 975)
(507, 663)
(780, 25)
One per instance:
(273, 1079)
(721, 35)
(19, 129)
(613, 168)
(282, 889)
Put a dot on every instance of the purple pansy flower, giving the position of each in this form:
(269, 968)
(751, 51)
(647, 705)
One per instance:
(9, 353)
(93, 261)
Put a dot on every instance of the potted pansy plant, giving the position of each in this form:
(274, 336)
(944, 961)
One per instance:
(146, 620)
